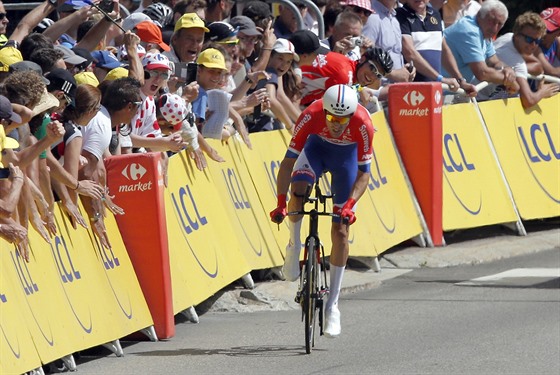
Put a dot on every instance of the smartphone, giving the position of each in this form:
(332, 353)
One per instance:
(4, 172)
(190, 75)
(186, 72)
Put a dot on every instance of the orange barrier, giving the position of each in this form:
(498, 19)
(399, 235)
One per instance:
(136, 182)
(415, 118)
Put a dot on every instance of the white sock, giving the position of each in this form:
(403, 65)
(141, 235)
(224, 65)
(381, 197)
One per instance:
(336, 274)
(295, 234)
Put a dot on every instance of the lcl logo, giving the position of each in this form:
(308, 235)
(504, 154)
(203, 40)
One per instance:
(133, 171)
(413, 98)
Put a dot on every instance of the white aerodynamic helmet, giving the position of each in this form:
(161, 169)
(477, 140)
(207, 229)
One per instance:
(340, 100)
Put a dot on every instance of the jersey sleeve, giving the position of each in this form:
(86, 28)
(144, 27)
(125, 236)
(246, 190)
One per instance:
(304, 127)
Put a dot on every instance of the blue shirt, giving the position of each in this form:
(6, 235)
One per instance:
(200, 104)
(384, 30)
(466, 41)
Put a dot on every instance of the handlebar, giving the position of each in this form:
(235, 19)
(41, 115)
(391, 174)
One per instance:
(318, 198)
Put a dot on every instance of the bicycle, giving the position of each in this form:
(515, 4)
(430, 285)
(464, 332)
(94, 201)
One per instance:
(311, 290)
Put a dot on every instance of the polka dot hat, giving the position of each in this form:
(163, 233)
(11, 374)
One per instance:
(173, 109)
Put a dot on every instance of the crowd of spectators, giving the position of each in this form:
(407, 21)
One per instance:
(79, 82)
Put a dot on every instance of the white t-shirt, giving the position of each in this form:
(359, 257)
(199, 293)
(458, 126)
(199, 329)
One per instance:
(506, 53)
(97, 134)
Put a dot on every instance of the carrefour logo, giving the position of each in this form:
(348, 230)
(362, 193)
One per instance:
(133, 171)
(413, 98)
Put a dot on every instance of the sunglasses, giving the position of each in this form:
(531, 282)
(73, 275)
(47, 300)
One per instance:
(374, 70)
(137, 104)
(3, 15)
(229, 42)
(338, 120)
(159, 73)
(531, 40)
(363, 11)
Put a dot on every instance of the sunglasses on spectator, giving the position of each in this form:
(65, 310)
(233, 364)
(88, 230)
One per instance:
(365, 12)
(229, 42)
(3, 15)
(137, 104)
(338, 120)
(531, 40)
(374, 70)
(159, 73)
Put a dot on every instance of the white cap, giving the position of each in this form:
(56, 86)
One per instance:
(134, 19)
(285, 46)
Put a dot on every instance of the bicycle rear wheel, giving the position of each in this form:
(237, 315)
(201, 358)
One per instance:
(309, 301)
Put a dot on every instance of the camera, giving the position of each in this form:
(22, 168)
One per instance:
(106, 5)
(357, 41)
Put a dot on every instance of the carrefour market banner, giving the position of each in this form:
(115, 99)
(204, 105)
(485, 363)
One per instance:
(528, 146)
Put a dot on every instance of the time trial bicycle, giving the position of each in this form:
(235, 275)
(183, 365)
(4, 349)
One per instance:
(313, 285)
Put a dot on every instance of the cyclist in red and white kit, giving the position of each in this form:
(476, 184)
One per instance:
(333, 134)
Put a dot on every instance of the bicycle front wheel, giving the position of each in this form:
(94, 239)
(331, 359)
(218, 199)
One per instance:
(309, 301)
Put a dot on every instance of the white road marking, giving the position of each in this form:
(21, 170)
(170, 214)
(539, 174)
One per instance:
(514, 273)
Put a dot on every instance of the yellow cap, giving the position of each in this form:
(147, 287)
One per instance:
(86, 77)
(6, 142)
(190, 20)
(9, 56)
(212, 58)
(116, 73)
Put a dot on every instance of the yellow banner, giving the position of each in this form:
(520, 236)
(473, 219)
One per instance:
(204, 251)
(73, 297)
(244, 208)
(528, 148)
(474, 192)
(386, 213)
(17, 351)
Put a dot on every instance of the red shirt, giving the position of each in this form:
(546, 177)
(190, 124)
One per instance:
(326, 71)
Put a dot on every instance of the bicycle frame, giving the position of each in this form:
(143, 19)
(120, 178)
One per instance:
(311, 291)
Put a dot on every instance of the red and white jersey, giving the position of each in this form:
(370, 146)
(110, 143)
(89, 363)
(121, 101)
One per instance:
(326, 71)
(312, 121)
(144, 122)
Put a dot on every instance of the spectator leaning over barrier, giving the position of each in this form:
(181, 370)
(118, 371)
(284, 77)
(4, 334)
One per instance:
(10, 186)
(333, 134)
(119, 104)
(322, 69)
(549, 51)
(470, 40)
(174, 114)
(511, 49)
(346, 37)
(424, 44)
(383, 28)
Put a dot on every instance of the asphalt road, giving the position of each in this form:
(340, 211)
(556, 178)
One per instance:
(428, 321)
